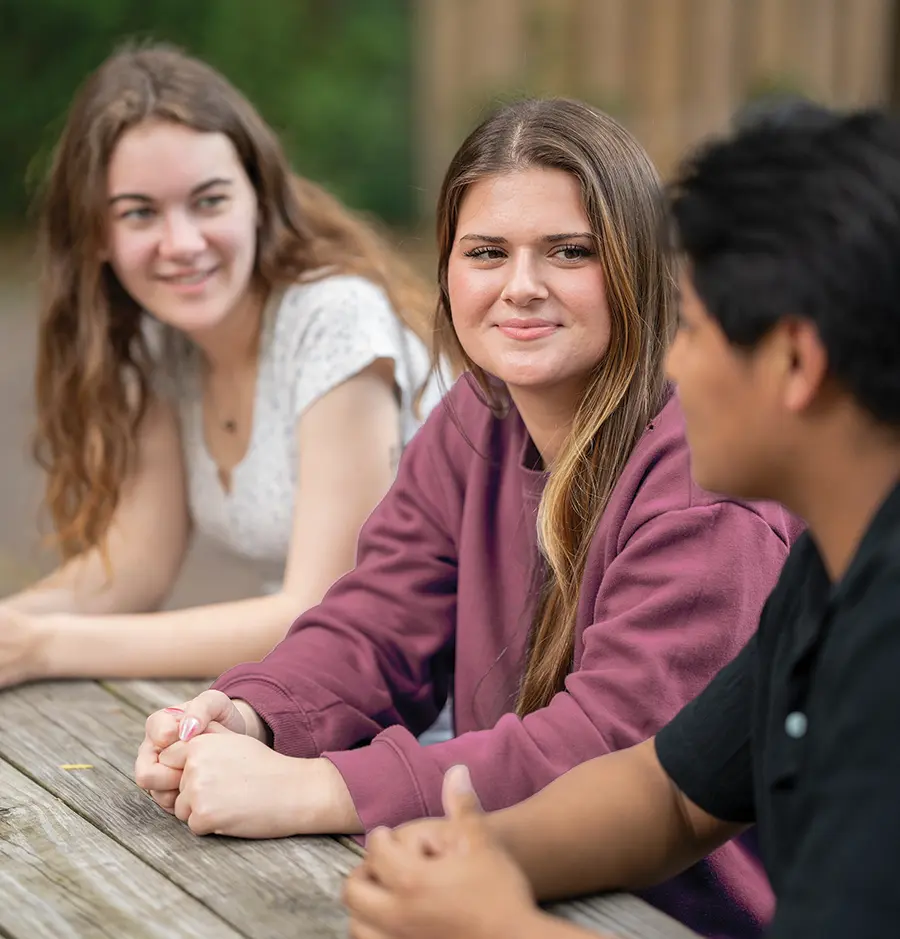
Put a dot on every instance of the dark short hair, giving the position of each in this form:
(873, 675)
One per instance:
(797, 214)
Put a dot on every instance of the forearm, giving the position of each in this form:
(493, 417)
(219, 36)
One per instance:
(194, 643)
(40, 599)
(86, 586)
(615, 822)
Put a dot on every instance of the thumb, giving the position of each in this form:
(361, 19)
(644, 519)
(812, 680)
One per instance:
(216, 728)
(208, 707)
(458, 794)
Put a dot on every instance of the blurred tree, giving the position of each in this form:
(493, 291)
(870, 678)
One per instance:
(333, 78)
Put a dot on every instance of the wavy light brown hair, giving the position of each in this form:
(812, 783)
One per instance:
(622, 201)
(91, 354)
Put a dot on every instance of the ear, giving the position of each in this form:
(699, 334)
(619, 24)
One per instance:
(806, 363)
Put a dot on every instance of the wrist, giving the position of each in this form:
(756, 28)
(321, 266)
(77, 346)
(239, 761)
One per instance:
(45, 660)
(254, 725)
(326, 804)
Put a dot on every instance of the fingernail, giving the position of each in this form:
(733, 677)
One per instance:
(174, 710)
(188, 728)
(460, 779)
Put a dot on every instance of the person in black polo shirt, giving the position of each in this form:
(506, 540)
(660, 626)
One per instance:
(787, 362)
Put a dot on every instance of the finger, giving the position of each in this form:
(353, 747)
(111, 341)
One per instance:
(162, 726)
(165, 799)
(458, 794)
(370, 904)
(149, 773)
(182, 807)
(205, 708)
(147, 756)
(429, 837)
(216, 728)
(174, 756)
(391, 863)
(200, 825)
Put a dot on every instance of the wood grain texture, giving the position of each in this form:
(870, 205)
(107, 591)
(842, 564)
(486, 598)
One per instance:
(149, 696)
(263, 889)
(266, 890)
(61, 878)
(623, 916)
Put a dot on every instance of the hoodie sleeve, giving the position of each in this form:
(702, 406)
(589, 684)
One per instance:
(378, 650)
(674, 606)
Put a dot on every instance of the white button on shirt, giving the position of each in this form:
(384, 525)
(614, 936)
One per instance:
(795, 725)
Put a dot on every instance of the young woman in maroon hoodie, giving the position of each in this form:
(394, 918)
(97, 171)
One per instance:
(543, 553)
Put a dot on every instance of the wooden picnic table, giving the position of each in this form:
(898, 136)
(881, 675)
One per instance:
(85, 854)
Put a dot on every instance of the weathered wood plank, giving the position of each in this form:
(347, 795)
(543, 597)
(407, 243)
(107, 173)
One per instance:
(266, 890)
(624, 916)
(61, 878)
(149, 696)
(619, 912)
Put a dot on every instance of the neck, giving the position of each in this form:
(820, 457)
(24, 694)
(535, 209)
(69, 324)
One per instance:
(548, 417)
(234, 342)
(840, 492)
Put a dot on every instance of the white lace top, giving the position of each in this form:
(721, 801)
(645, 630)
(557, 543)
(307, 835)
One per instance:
(314, 337)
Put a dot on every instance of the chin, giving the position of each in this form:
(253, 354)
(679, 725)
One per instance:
(721, 481)
(709, 477)
(195, 321)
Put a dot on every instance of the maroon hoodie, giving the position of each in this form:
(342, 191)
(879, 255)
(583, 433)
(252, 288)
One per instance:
(443, 595)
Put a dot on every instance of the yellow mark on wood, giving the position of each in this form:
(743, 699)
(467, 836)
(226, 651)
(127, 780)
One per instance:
(76, 766)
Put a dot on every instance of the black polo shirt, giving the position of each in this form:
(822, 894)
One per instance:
(801, 735)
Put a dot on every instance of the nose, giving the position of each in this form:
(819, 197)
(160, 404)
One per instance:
(524, 283)
(181, 236)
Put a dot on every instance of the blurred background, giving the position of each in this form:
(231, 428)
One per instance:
(372, 97)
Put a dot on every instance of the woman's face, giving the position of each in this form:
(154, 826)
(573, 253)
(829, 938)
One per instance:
(527, 290)
(182, 222)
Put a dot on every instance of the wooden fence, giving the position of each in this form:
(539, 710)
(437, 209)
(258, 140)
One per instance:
(672, 70)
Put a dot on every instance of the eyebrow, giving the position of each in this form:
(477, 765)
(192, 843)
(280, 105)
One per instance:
(141, 197)
(547, 239)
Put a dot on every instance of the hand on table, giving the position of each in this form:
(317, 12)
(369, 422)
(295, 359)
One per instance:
(201, 763)
(439, 880)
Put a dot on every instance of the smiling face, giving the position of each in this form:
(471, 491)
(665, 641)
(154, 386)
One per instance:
(182, 223)
(526, 286)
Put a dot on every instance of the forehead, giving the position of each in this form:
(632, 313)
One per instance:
(532, 201)
(157, 159)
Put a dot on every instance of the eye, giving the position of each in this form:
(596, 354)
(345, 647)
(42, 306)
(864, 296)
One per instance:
(572, 252)
(139, 214)
(210, 202)
(485, 253)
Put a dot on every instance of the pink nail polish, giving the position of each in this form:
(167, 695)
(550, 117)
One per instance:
(174, 710)
(188, 728)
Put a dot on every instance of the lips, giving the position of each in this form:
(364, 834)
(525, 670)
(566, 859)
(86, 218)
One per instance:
(188, 278)
(526, 330)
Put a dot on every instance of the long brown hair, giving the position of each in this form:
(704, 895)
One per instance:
(93, 368)
(621, 194)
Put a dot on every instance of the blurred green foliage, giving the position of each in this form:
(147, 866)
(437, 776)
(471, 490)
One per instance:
(332, 76)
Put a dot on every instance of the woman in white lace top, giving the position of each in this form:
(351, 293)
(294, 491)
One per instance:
(223, 347)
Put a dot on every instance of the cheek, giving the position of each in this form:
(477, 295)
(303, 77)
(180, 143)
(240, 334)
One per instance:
(472, 293)
(234, 236)
(583, 294)
(130, 252)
